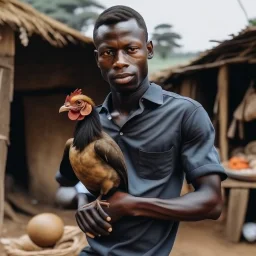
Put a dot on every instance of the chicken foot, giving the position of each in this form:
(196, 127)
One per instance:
(97, 203)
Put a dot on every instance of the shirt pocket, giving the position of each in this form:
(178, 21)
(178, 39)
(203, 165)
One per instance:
(155, 165)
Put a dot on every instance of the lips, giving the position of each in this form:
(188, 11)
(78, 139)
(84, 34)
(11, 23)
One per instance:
(123, 78)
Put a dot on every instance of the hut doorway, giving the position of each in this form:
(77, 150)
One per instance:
(16, 166)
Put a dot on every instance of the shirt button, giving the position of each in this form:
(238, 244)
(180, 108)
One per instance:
(121, 133)
(109, 118)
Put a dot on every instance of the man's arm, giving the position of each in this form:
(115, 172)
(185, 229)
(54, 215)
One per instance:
(203, 203)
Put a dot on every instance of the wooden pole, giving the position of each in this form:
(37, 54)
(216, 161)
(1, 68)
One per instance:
(7, 48)
(185, 89)
(223, 86)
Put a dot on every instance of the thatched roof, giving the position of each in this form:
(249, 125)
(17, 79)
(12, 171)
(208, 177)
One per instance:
(239, 49)
(28, 21)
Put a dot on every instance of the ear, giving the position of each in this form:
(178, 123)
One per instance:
(150, 49)
(96, 55)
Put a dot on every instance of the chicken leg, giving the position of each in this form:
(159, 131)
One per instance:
(97, 204)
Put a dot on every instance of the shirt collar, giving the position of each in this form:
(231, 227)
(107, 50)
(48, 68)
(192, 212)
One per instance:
(104, 106)
(153, 94)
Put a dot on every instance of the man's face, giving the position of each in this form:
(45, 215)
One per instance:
(122, 53)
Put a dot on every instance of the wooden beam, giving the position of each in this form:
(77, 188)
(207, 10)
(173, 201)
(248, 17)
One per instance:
(7, 51)
(232, 183)
(185, 89)
(223, 86)
(7, 41)
(3, 156)
(216, 64)
(237, 207)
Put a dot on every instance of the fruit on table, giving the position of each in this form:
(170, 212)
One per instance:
(238, 163)
(45, 229)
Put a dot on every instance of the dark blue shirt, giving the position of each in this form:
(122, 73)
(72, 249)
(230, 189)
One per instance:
(167, 137)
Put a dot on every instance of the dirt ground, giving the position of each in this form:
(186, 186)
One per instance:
(204, 238)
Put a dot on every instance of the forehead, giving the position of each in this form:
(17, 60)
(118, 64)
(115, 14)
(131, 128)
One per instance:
(121, 30)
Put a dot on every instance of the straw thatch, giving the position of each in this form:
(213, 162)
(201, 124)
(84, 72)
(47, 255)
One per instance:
(239, 49)
(25, 19)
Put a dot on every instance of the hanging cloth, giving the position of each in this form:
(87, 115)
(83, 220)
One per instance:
(245, 112)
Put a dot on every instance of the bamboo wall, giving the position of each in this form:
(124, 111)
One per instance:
(6, 91)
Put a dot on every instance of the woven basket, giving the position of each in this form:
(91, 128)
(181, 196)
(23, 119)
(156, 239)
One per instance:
(250, 148)
(71, 244)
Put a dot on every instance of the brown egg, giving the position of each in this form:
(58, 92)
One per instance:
(45, 229)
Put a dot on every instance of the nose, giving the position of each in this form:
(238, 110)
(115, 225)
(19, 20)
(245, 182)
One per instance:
(120, 60)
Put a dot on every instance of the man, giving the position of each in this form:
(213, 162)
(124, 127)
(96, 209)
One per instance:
(162, 136)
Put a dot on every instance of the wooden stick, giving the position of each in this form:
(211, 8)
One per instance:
(223, 111)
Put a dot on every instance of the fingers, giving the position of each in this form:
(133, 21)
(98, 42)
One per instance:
(90, 235)
(101, 222)
(90, 221)
(103, 214)
(84, 227)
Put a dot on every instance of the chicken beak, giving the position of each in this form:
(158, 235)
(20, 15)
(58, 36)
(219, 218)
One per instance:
(63, 109)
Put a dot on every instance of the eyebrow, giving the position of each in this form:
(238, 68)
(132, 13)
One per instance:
(109, 46)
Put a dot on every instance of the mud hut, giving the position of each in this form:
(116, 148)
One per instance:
(41, 61)
(219, 79)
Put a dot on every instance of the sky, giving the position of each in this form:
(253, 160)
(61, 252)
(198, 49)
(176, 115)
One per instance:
(198, 21)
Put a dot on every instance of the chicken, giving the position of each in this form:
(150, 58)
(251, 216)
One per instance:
(94, 156)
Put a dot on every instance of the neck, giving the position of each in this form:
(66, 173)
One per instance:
(128, 102)
(87, 130)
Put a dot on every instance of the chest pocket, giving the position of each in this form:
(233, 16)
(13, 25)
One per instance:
(155, 165)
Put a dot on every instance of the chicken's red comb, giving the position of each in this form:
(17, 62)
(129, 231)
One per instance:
(72, 94)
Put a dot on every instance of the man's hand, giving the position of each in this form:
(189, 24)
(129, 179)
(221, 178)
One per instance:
(91, 221)
(121, 204)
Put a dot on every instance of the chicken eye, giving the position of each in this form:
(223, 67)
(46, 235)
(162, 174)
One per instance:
(79, 103)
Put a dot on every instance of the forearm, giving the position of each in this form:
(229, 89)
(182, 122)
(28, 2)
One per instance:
(190, 207)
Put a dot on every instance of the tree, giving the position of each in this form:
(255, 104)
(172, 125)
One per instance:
(252, 22)
(78, 14)
(165, 39)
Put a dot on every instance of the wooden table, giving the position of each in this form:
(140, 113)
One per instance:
(237, 206)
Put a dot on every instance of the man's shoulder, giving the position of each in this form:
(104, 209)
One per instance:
(181, 100)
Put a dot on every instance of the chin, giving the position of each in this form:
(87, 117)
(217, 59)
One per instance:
(125, 87)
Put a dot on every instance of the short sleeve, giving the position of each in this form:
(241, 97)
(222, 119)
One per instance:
(198, 155)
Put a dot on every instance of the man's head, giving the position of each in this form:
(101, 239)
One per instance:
(119, 13)
(121, 39)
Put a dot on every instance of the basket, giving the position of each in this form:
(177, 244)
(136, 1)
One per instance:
(71, 244)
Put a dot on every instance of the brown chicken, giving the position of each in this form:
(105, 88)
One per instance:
(94, 156)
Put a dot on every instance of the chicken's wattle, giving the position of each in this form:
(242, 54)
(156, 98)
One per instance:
(75, 115)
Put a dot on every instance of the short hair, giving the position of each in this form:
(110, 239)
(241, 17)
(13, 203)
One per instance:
(119, 13)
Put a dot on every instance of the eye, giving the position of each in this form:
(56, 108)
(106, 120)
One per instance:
(79, 103)
(107, 53)
(132, 49)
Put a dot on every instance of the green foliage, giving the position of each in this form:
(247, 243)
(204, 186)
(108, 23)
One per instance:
(252, 22)
(165, 40)
(78, 14)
